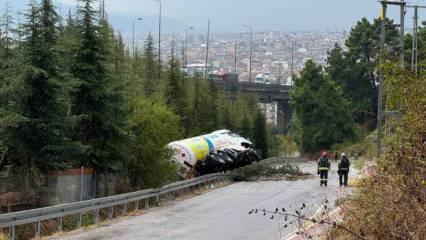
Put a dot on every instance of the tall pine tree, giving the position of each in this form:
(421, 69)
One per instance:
(355, 70)
(37, 124)
(149, 66)
(98, 100)
(175, 93)
(322, 112)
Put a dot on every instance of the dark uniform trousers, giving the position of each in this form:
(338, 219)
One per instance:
(324, 177)
(343, 177)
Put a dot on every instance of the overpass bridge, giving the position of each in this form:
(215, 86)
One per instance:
(267, 93)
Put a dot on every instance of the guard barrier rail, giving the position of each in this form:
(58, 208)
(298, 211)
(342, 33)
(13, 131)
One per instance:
(11, 220)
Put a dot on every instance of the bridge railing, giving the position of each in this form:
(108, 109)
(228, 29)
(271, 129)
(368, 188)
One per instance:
(11, 220)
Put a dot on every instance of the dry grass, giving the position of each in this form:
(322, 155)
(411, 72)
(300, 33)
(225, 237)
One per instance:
(3, 236)
(391, 204)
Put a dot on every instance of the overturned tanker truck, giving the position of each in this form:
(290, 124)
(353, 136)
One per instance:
(219, 151)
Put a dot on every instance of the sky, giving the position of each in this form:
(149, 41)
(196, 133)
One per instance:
(231, 15)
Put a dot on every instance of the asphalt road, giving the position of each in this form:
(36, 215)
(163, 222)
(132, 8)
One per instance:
(222, 214)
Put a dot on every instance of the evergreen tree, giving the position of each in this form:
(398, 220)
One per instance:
(246, 127)
(37, 125)
(97, 100)
(213, 110)
(355, 70)
(67, 43)
(175, 93)
(324, 114)
(6, 40)
(149, 66)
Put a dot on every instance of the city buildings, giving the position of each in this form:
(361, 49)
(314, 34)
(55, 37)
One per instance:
(276, 55)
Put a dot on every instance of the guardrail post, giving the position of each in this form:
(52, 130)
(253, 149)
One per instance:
(125, 209)
(37, 230)
(79, 220)
(111, 212)
(60, 223)
(136, 205)
(147, 203)
(97, 216)
(157, 199)
(11, 235)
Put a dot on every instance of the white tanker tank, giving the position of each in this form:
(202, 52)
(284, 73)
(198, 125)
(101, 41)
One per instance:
(215, 152)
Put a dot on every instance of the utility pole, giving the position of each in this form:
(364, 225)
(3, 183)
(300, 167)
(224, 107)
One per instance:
(235, 56)
(133, 36)
(415, 42)
(251, 50)
(402, 4)
(415, 50)
(280, 65)
(292, 61)
(159, 39)
(186, 47)
(103, 12)
(380, 100)
(207, 49)
(380, 114)
(401, 39)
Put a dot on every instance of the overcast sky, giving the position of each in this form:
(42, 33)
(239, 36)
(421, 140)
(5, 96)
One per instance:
(230, 15)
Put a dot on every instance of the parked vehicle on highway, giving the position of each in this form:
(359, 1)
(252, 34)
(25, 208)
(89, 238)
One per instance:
(219, 151)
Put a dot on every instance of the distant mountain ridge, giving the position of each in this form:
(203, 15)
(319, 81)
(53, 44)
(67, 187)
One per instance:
(124, 24)
(120, 22)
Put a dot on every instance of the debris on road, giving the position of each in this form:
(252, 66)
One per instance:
(267, 171)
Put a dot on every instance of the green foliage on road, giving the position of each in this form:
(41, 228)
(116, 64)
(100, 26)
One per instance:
(265, 170)
(73, 94)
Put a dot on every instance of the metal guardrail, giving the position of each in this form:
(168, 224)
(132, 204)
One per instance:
(11, 220)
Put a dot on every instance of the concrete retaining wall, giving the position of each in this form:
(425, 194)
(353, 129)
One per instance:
(17, 192)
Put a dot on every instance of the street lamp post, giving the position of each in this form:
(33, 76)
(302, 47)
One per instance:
(186, 46)
(159, 38)
(133, 42)
(251, 49)
(206, 72)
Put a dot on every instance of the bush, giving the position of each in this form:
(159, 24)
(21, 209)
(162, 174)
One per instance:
(152, 125)
(391, 204)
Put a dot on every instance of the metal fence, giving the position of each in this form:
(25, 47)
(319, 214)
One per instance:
(11, 220)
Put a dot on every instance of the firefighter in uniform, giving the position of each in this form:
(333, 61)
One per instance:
(343, 170)
(323, 168)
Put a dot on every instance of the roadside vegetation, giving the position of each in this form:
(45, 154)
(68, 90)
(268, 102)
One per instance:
(73, 95)
(336, 105)
(391, 203)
